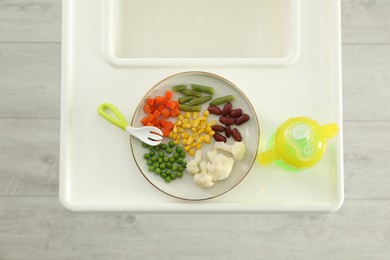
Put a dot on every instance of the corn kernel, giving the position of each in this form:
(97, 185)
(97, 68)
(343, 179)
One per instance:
(180, 130)
(195, 135)
(192, 121)
(196, 122)
(180, 116)
(190, 140)
(206, 113)
(200, 131)
(177, 142)
(194, 144)
(203, 124)
(195, 115)
(202, 118)
(185, 135)
(170, 135)
(186, 126)
(198, 146)
(177, 137)
(212, 133)
(200, 140)
(208, 129)
(175, 129)
(210, 124)
(187, 148)
(207, 139)
(185, 121)
(187, 114)
(194, 130)
(179, 123)
(191, 152)
(184, 141)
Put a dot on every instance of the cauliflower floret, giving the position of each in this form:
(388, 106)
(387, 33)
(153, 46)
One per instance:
(202, 179)
(220, 166)
(237, 149)
(192, 166)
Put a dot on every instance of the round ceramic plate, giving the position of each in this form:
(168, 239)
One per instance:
(185, 188)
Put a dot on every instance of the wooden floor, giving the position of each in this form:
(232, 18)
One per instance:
(33, 225)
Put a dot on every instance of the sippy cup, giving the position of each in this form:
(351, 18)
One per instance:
(299, 143)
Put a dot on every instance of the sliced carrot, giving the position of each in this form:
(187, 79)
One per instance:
(150, 117)
(169, 125)
(171, 104)
(165, 131)
(156, 113)
(166, 113)
(150, 101)
(163, 121)
(152, 109)
(175, 112)
(145, 120)
(149, 124)
(155, 121)
(168, 94)
(147, 109)
(161, 108)
(159, 100)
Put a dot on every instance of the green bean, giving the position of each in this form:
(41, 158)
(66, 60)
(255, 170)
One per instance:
(189, 108)
(204, 89)
(185, 99)
(190, 92)
(199, 101)
(221, 100)
(179, 88)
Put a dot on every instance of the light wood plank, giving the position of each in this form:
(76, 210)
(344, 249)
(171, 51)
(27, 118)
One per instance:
(365, 21)
(30, 80)
(366, 156)
(38, 228)
(29, 155)
(30, 20)
(366, 82)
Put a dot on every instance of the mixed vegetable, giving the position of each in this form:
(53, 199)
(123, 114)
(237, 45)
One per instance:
(190, 129)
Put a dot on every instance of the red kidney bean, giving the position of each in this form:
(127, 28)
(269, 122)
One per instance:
(218, 128)
(236, 112)
(214, 110)
(242, 119)
(219, 138)
(228, 131)
(236, 135)
(227, 108)
(227, 120)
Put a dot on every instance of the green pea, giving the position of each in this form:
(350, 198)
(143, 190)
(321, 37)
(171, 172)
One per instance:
(163, 146)
(169, 150)
(176, 155)
(146, 156)
(179, 174)
(184, 163)
(173, 176)
(181, 168)
(161, 154)
(158, 171)
(151, 168)
(168, 172)
(182, 154)
(151, 148)
(171, 160)
(167, 179)
(171, 144)
(162, 166)
(157, 148)
(149, 162)
(180, 161)
(179, 149)
(152, 153)
(154, 158)
(163, 174)
(144, 145)
(174, 168)
(166, 159)
(169, 165)
(160, 160)
(156, 164)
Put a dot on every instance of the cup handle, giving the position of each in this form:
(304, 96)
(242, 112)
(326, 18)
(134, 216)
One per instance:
(330, 130)
(267, 157)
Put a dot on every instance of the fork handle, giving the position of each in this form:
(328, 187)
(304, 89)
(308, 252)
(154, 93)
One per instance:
(118, 119)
